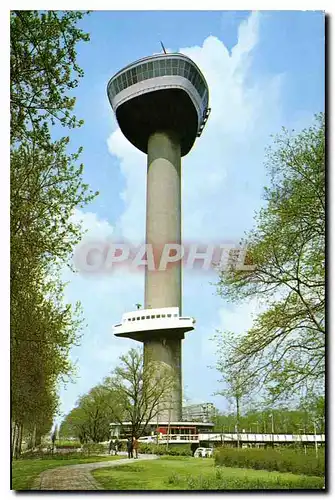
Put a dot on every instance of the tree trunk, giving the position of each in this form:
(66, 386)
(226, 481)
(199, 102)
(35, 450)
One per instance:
(33, 438)
(14, 437)
(18, 440)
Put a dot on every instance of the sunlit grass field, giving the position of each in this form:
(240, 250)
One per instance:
(188, 473)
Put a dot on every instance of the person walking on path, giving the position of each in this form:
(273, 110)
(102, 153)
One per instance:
(117, 446)
(135, 446)
(130, 447)
(111, 446)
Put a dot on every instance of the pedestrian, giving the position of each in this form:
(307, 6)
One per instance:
(130, 447)
(111, 446)
(117, 445)
(135, 446)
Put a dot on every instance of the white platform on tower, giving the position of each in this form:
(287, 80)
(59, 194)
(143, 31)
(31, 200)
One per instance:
(153, 322)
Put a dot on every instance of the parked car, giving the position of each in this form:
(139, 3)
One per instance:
(203, 452)
(148, 439)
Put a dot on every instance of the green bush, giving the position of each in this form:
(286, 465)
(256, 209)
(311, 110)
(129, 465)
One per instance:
(93, 448)
(174, 478)
(68, 445)
(161, 449)
(282, 460)
(51, 456)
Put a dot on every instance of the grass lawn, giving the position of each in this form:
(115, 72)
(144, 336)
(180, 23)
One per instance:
(25, 471)
(188, 473)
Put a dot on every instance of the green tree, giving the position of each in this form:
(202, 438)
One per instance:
(90, 419)
(44, 72)
(237, 384)
(286, 344)
(141, 391)
(46, 185)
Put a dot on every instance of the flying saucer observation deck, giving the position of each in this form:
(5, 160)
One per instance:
(160, 93)
(146, 324)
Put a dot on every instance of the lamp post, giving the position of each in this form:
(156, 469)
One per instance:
(272, 429)
(168, 429)
(305, 448)
(316, 444)
(237, 435)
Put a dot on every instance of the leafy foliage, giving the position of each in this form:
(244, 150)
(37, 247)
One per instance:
(162, 449)
(44, 72)
(89, 420)
(141, 390)
(299, 420)
(46, 186)
(133, 393)
(237, 385)
(286, 344)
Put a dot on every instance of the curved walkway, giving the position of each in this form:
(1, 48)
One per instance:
(78, 477)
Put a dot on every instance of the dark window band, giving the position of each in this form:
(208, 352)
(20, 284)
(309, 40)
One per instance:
(153, 69)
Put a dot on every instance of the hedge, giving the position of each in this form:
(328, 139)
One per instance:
(52, 456)
(94, 448)
(282, 460)
(68, 445)
(161, 449)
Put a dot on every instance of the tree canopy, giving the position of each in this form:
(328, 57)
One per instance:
(134, 393)
(286, 344)
(46, 185)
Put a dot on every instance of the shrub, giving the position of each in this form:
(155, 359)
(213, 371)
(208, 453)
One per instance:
(68, 445)
(161, 449)
(174, 479)
(282, 460)
(51, 456)
(93, 448)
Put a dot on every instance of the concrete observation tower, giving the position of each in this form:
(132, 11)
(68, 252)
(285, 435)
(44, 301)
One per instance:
(161, 105)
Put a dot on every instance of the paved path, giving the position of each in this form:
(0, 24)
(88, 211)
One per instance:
(78, 477)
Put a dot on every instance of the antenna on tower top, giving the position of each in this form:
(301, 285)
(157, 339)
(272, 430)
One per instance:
(163, 47)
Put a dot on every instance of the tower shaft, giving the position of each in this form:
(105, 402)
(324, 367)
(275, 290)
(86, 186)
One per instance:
(163, 225)
(161, 105)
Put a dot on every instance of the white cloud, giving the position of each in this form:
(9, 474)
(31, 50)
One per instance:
(239, 319)
(92, 225)
(133, 167)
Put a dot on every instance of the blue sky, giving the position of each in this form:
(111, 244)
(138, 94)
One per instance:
(265, 70)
